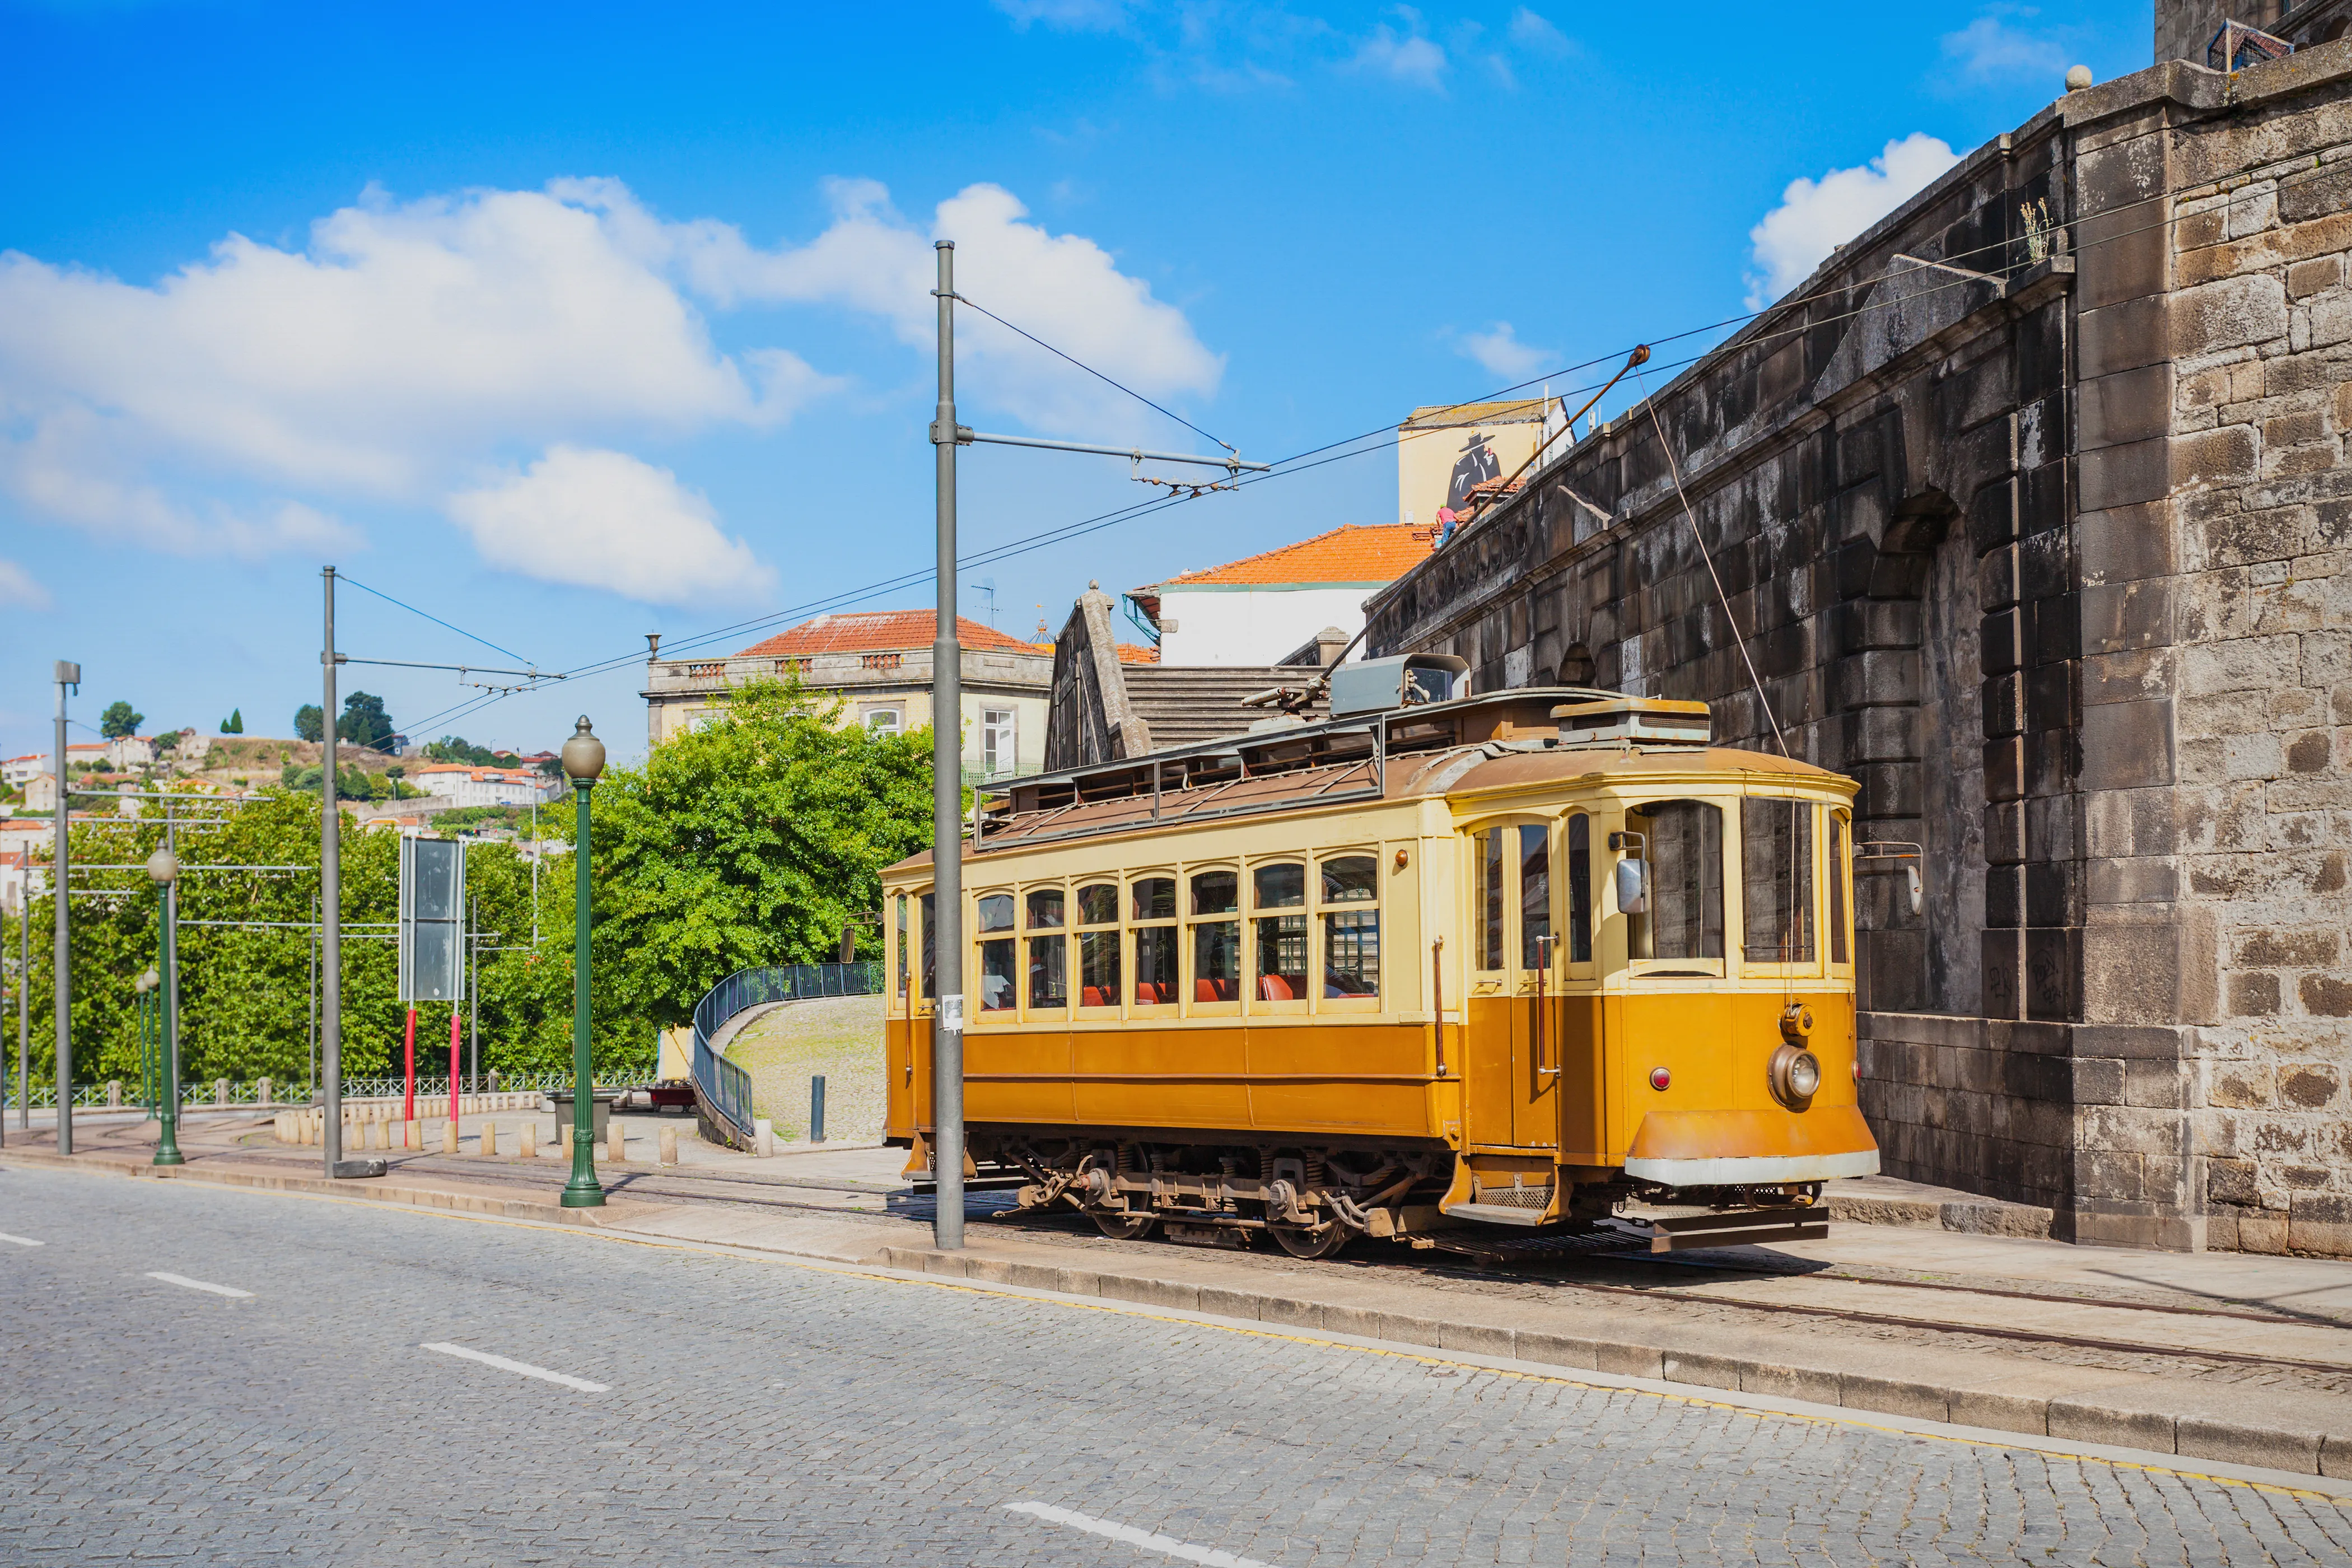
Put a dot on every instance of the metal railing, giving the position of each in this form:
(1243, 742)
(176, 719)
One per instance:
(197, 1094)
(722, 1085)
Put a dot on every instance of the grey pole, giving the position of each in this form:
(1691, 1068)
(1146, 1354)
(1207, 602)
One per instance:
(330, 926)
(311, 939)
(24, 1002)
(171, 969)
(61, 957)
(947, 807)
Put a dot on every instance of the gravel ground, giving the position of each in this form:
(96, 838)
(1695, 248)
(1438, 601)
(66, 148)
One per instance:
(839, 1038)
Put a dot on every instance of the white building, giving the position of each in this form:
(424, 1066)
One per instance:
(20, 771)
(455, 784)
(127, 751)
(1268, 609)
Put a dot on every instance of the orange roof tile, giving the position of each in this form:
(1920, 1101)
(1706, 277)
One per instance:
(1379, 554)
(1136, 653)
(871, 631)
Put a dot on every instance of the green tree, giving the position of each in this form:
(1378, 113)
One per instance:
(364, 722)
(309, 723)
(120, 720)
(752, 840)
(234, 723)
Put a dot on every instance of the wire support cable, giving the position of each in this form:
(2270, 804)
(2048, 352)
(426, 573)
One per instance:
(963, 299)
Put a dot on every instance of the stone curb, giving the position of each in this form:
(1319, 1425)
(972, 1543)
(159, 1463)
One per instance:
(2073, 1417)
(373, 1190)
(1980, 1216)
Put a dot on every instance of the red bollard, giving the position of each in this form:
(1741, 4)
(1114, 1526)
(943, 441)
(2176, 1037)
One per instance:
(453, 1062)
(409, 1055)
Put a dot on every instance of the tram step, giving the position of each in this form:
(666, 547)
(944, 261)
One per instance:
(1496, 1213)
(1681, 1233)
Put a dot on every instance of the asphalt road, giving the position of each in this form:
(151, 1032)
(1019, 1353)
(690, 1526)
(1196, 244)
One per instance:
(390, 1387)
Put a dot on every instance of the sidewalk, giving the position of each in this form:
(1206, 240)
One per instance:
(2219, 1357)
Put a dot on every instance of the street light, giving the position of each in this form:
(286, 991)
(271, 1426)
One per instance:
(163, 870)
(583, 764)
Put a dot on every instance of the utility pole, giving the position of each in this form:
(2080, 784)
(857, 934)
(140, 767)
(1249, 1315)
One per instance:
(947, 806)
(330, 905)
(23, 1000)
(69, 674)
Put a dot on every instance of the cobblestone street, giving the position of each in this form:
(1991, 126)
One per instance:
(754, 1411)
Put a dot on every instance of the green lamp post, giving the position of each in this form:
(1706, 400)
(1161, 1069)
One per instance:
(163, 869)
(583, 764)
(151, 1043)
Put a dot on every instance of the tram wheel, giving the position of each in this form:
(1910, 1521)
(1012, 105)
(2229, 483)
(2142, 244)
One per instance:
(1122, 1226)
(1300, 1242)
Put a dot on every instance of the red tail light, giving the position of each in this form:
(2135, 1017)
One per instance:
(1659, 1078)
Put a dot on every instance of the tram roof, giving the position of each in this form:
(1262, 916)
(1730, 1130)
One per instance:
(1495, 741)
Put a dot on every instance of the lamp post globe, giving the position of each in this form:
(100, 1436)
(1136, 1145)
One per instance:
(163, 870)
(583, 764)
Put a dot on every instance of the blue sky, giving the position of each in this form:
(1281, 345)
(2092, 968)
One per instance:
(567, 324)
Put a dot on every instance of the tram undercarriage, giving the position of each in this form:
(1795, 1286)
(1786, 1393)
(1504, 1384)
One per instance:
(1313, 1199)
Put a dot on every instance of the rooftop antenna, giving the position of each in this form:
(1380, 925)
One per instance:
(988, 586)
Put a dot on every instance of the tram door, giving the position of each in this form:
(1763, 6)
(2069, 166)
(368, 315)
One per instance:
(1513, 1076)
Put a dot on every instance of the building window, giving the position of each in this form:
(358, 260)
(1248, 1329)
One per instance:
(997, 735)
(885, 720)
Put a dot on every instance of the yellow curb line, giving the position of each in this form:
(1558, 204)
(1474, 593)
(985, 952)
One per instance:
(1050, 1297)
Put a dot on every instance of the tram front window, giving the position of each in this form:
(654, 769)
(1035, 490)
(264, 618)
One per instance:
(1683, 841)
(995, 913)
(1216, 943)
(1534, 895)
(1776, 881)
(1281, 938)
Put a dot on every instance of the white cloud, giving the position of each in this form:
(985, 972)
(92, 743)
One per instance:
(1990, 50)
(1816, 216)
(1077, 15)
(1536, 34)
(1063, 286)
(1408, 57)
(18, 590)
(1499, 349)
(604, 520)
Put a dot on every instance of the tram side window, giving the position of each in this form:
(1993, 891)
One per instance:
(1488, 897)
(1216, 943)
(996, 961)
(930, 947)
(1049, 956)
(1154, 901)
(1281, 938)
(1352, 926)
(1776, 881)
(1838, 834)
(1534, 895)
(906, 963)
(1579, 889)
(1685, 840)
(1098, 950)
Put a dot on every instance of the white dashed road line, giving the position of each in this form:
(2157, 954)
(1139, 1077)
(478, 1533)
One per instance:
(187, 1283)
(20, 1240)
(524, 1367)
(1167, 1545)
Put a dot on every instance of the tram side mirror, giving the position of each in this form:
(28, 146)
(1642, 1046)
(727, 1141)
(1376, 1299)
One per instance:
(1916, 888)
(1633, 892)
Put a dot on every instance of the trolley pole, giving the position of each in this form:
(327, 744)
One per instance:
(947, 807)
(69, 674)
(331, 913)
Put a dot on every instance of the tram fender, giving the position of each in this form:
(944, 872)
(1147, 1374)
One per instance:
(1735, 1148)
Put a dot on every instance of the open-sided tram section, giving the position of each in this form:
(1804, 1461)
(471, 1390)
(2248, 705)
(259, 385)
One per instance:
(1533, 959)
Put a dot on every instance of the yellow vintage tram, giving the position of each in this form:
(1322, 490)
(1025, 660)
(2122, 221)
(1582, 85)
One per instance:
(1529, 959)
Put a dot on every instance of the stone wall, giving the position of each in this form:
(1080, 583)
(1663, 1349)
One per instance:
(2020, 507)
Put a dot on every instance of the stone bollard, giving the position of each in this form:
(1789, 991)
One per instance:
(449, 1136)
(669, 1146)
(763, 1137)
(616, 1141)
(113, 1093)
(267, 1087)
(489, 1138)
(529, 1135)
(564, 1134)
(220, 1086)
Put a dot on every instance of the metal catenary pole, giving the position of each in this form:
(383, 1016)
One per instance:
(947, 806)
(62, 955)
(330, 907)
(24, 999)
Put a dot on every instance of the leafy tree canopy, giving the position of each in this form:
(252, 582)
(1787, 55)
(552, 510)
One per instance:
(364, 722)
(309, 723)
(120, 720)
(752, 840)
(234, 723)
(457, 749)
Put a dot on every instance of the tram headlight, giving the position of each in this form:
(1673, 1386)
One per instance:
(1796, 1077)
